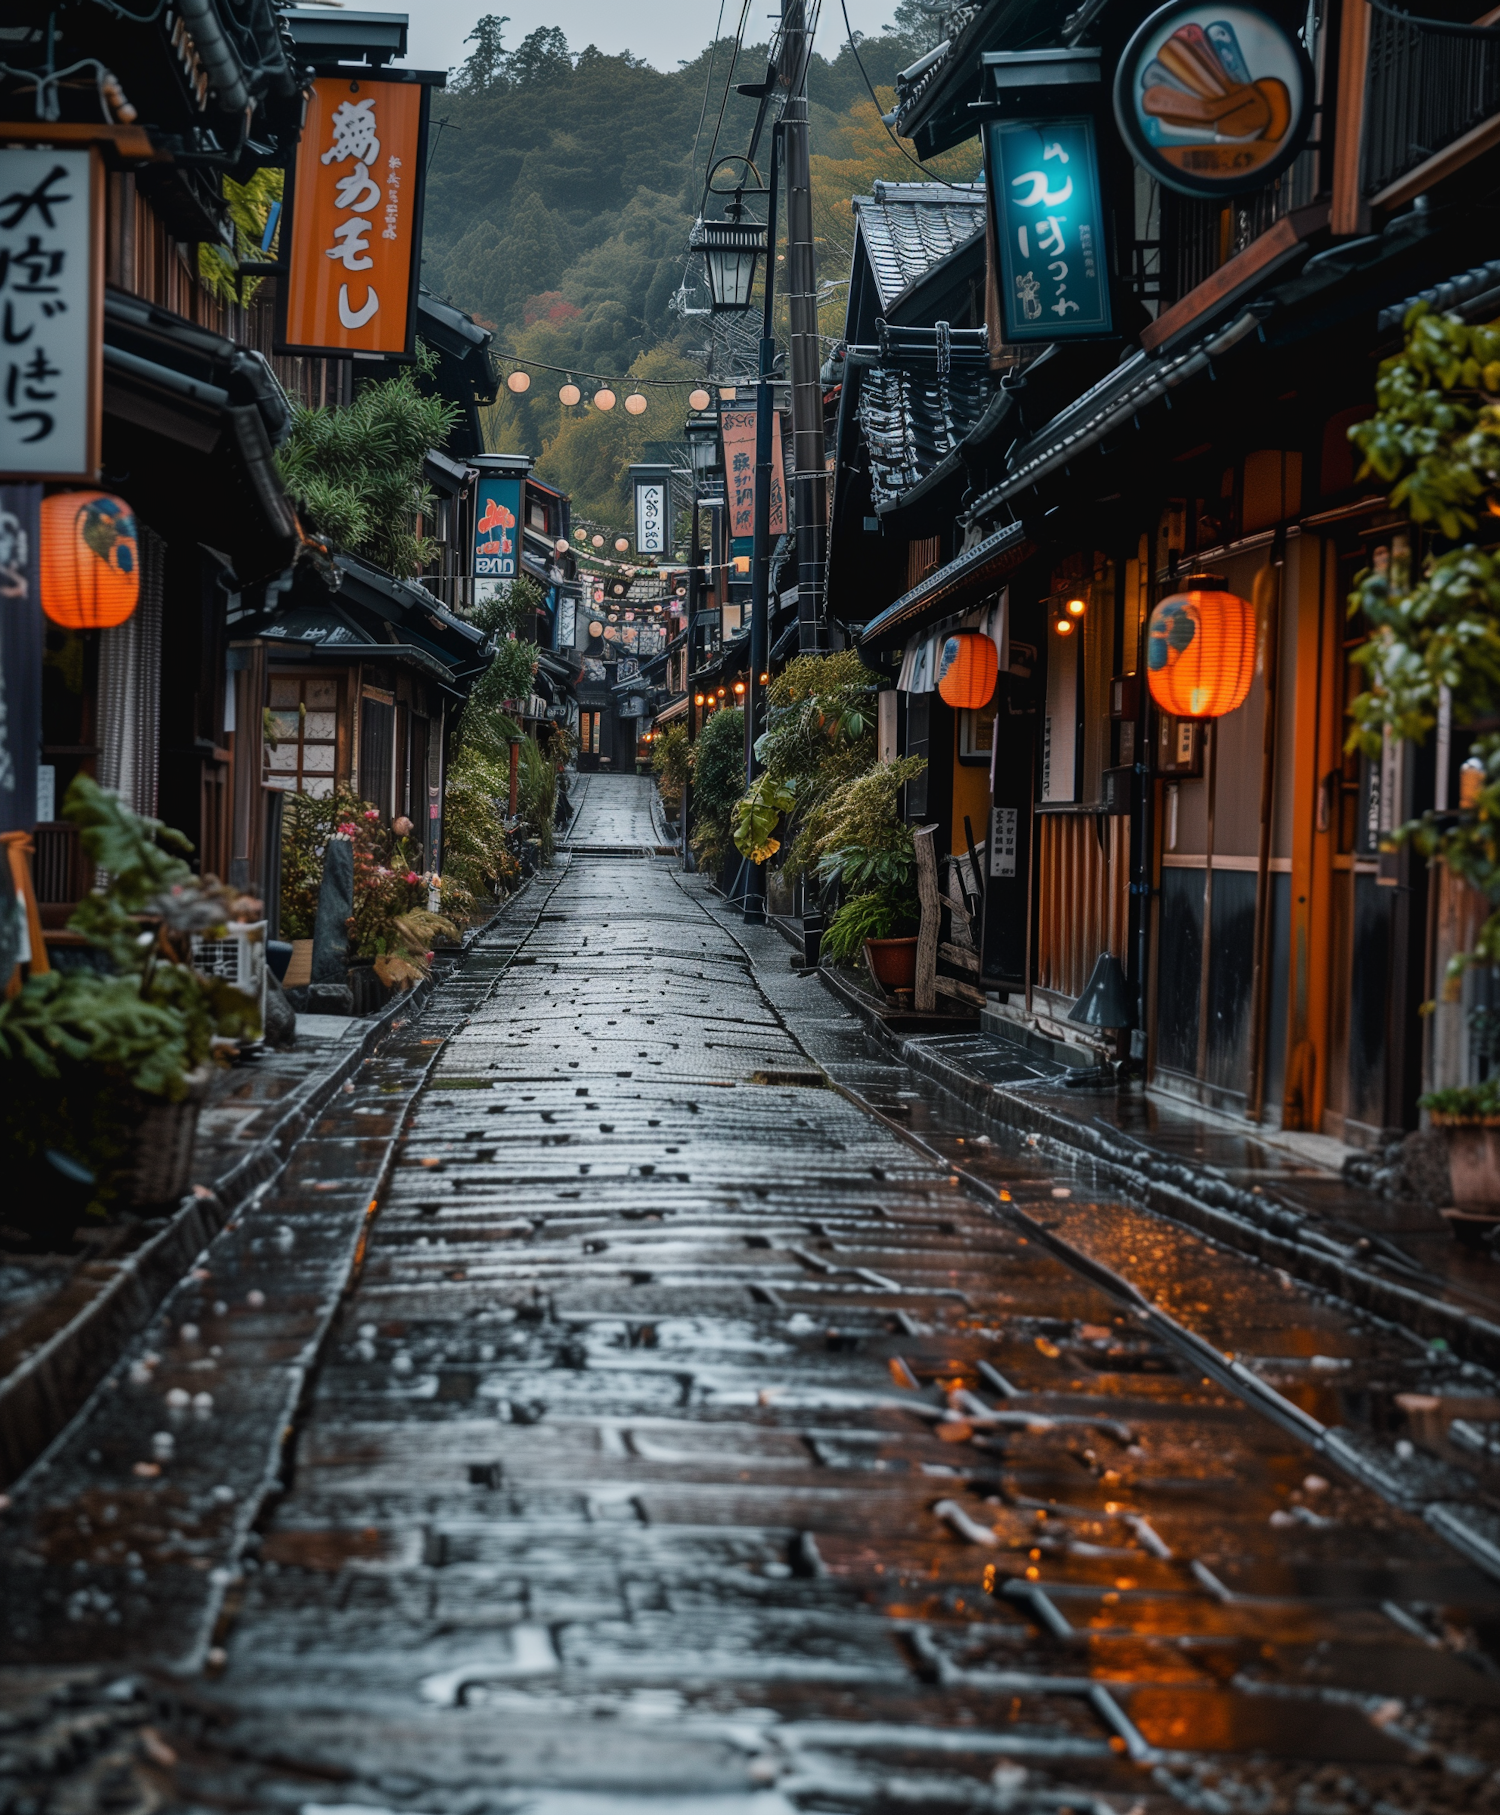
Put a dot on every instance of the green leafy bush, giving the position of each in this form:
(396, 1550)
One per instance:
(1465, 1103)
(718, 780)
(1435, 623)
(356, 473)
(879, 914)
(757, 813)
(671, 764)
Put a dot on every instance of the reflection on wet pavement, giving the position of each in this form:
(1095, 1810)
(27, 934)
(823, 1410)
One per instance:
(692, 1441)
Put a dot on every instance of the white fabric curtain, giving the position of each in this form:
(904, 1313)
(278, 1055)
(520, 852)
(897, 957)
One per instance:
(130, 690)
(919, 665)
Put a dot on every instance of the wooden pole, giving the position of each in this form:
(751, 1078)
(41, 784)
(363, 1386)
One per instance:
(1268, 609)
(925, 995)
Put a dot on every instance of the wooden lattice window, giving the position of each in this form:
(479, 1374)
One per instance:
(304, 724)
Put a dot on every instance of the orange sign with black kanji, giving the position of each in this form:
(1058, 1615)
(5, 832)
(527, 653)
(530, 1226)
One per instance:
(356, 220)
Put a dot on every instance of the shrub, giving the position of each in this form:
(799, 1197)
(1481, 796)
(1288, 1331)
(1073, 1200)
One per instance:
(718, 781)
(671, 764)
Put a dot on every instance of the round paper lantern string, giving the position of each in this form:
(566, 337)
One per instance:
(90, 560)
(1200, 650)
(569, 395)
(967, 667)
(519, 382)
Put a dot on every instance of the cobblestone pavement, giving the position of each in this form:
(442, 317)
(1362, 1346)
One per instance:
(690, 1441)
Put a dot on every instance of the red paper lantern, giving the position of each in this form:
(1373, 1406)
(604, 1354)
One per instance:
(1200, 652)
(966, 669)
(91, 565)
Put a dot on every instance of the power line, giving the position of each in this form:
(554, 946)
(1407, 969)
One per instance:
(708, 82)
(916, 163)
(739, 39)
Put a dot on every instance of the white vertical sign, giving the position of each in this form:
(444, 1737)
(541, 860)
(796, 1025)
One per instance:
(650, 517)
(1003, 841)
(50, 336)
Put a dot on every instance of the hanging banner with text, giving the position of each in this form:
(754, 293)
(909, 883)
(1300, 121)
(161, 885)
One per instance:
(738, 430)
(1049, 220)
(497, 535)
(51, 298)
(653, 509)
(355, 204)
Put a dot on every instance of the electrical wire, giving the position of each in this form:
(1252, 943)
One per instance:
(916, 163)
(708, 82)
(739, 40)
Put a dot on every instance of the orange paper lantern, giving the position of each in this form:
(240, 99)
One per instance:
(91, 565)
(1200, 653)
(967, 669)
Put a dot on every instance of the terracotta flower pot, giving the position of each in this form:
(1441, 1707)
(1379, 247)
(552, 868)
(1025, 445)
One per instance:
(1474, 1164)
(894, 962)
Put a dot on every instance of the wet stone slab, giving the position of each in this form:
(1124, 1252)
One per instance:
(692, 1442)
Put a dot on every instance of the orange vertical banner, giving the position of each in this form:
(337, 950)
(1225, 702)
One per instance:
(738, 429)
(354, 244)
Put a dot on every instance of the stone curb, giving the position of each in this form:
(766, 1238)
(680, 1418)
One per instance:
(39, 1397)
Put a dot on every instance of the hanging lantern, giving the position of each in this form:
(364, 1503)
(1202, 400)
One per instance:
(605, 399)
(560, 547)
(1200, 650)
(1075, 608)
(1063, 626)
(636, 404)
(518, 382)
(569, 394)
(967, 669)
(621, 545)
(598, 541)
(596, 630)
(699, 399)
(730, 249)
(91, 567)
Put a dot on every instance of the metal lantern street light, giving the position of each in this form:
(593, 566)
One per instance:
(730, 250)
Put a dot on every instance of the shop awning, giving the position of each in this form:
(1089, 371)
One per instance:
(945, 592)
(677, 709)
(191, 424)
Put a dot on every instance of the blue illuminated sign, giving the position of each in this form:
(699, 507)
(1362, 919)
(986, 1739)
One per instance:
(1043, 176)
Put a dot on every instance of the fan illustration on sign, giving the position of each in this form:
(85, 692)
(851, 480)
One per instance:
(1214, 98)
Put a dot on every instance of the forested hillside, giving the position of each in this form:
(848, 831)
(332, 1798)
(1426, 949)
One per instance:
(561, 190)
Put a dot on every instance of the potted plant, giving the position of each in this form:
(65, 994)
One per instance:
(1470, 1117)
(106, 1060)
(866, 860)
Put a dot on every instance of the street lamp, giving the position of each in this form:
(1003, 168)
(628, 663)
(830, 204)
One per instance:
(730, 250)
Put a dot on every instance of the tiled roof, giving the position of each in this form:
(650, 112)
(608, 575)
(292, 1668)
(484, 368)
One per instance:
(907, 228)
(912, 419)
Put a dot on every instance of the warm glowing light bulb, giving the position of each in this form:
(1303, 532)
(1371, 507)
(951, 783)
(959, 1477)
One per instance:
(721, 693)
(697, 699)
(764, 678)
(739, 686)
(1076, 608)
(1064, 627)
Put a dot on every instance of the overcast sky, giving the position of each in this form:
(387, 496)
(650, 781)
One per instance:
(663, 33)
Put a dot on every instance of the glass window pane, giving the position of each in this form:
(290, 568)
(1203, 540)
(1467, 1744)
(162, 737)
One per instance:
(321, 724)
(285, 690)
(317, 758)
(323, 693)
(319, 787)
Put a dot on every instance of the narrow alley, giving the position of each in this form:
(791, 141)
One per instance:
(628, 1399)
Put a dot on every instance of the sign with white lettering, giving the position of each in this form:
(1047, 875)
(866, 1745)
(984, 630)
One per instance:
(51, 296)
(1049, 221)
(1003, 841)
(497, 536)
(651, 513)
(355, 205)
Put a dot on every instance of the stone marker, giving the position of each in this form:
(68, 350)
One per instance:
(330, 954)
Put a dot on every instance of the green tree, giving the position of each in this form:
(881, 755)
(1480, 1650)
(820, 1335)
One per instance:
(484, 68)
(356, 473)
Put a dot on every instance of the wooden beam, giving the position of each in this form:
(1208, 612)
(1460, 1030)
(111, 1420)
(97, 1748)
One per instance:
(960, 991)
(1431, 171)
(955, 954)
(1262, 255)
(923, 998)
(1349, 213)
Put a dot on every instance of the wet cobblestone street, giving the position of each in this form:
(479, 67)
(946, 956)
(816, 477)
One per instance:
(678, 1435)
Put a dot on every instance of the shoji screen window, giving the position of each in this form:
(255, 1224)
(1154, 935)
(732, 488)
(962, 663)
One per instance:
(304, 723)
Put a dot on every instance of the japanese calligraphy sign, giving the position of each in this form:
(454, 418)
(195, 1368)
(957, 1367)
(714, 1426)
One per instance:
(497, 535)
(1213, 98)
(738, 429)
(1049, 221)
(356, 220)
(51, 341)
(653, 509)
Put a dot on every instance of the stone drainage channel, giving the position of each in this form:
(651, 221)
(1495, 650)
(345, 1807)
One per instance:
(635, 1396)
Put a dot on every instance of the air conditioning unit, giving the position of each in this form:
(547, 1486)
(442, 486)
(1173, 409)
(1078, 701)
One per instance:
(239, 958)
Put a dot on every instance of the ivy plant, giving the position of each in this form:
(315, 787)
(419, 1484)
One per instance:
(1435, 622)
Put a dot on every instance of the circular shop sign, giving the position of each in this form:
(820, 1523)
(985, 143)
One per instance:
(1212, 98)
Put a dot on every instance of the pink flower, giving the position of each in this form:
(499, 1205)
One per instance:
(348, 828)
(371, 813)
(412, 876)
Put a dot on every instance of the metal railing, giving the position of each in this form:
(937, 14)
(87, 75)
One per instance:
(1429, 83)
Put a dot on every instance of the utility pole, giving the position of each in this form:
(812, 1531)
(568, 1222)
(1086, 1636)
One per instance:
(810, 480)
